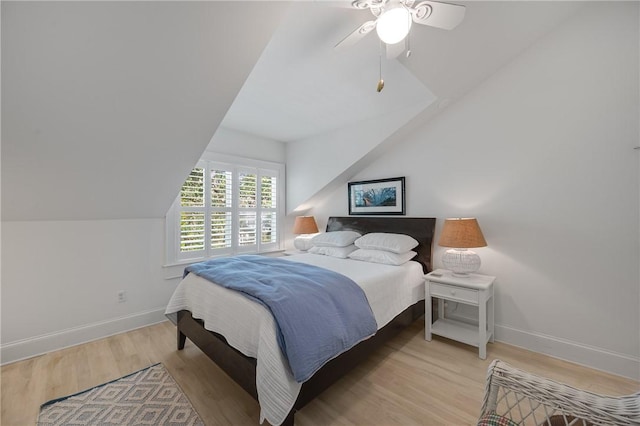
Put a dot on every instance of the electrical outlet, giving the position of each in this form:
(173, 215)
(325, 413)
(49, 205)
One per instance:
(122, 296)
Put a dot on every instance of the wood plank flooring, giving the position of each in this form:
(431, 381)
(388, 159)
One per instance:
(407, 382)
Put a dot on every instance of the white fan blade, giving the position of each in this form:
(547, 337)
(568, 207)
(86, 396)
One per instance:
(395, 50)
(364, 4)
(341, 4)
(356, 36)
(436, 14)
(352, 4)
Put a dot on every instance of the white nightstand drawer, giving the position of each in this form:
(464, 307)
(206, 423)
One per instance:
(453, 293)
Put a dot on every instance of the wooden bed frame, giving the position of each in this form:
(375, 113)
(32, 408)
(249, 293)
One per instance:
(242, 369)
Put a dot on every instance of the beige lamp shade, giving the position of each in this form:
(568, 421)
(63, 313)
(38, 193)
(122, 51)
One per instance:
(461, 233)
(305, 225)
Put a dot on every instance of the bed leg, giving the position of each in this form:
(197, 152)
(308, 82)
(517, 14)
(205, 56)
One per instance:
(289, 420)
(181, 339)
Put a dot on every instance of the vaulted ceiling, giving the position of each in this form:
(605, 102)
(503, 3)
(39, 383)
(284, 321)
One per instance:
(107, 105)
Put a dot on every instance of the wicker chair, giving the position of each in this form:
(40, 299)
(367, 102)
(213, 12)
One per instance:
(526, 399)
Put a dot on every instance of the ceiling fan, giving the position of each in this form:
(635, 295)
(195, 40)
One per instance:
(394, 18)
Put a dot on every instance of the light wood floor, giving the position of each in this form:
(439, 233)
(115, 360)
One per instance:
(408, 382)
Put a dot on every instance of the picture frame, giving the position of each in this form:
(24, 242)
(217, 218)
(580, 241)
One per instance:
(377, 197)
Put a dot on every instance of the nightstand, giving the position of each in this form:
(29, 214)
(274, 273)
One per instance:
(474, 289)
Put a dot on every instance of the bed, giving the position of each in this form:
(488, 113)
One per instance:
(250, 355)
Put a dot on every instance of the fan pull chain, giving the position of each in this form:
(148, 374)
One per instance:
(380, 81)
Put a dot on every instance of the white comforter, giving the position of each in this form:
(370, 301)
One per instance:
(249, 327)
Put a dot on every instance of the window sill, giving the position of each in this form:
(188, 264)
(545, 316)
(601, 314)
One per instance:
(175, 270)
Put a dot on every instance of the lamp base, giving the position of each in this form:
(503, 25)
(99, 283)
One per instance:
(461, 262)
(303, 242)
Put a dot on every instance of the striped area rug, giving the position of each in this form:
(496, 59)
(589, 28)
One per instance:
(147, 397)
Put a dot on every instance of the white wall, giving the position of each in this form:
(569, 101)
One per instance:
(315, 162)
(542, 154)
(60, 279)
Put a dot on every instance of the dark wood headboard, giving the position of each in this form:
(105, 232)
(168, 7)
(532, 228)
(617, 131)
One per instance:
(420, 228)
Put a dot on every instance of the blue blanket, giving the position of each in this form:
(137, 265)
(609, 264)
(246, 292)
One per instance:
(319, 313)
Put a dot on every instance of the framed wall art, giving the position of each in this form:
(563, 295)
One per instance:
(377, 197)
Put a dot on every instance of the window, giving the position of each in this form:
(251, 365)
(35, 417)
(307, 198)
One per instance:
(226, 206)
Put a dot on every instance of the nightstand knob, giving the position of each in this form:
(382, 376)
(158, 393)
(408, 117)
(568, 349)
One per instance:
(453, 292)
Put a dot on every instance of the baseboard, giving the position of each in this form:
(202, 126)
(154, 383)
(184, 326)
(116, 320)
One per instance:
(28, 348)
(593, 357)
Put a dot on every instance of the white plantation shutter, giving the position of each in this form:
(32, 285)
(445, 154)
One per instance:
(257, 209)
(247, 188)
(192, 233)
(268, 208)
(192, 214)
(247, 203)
(221, 228)
(221, 208)
(247, 229)
(226, 208)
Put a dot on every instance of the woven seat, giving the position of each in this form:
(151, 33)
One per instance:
(527, 399)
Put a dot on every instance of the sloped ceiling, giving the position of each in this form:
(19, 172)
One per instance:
(106, 106)
(492, 34)
(301, 87)
(322, 102)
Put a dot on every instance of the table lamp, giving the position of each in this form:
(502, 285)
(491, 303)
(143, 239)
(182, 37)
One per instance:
(305, 227)
(461, 234)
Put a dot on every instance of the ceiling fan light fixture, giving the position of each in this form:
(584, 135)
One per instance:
(394, 24)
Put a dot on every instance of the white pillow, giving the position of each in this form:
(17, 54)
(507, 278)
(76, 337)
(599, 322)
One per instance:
(382, 256)
(396, 243)
(341, 252)
(335, 239)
